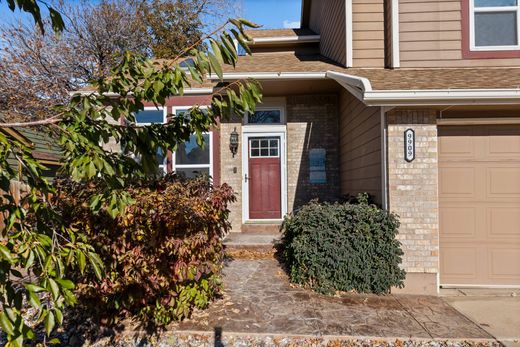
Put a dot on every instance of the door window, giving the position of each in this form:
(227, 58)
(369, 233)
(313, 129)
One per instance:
(264, 147)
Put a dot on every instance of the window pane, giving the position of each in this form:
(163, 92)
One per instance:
(265, 117)
(264, 143)
(264, 152)
(273, 152)
(191, 153)
(255, 143)
(273, 143)
(255, 152)
(150, 116)
(495, 3)
(495, 29)
(192, 172)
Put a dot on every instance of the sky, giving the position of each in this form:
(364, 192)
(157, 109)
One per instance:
(271, 14)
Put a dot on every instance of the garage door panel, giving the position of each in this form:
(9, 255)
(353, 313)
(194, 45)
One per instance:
(456, 143)
(503, 182)
(457, 181)
(503, 263)
(503, 142)
(458, 221)
(479, 205)
(503, 221)
(459, 262)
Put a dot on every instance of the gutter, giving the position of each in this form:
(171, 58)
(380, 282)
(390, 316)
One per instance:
(442, 97)
(362, 89)
(286, 39)
(188, 91)
(270, 76)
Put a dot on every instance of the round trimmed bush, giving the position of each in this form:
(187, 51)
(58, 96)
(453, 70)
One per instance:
(342, 247)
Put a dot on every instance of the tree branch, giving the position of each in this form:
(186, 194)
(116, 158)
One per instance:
(51, 120)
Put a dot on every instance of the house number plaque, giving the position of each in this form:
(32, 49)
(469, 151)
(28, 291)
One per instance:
(409, 145)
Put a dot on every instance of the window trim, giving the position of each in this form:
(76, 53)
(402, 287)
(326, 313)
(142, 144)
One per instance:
(194, 166)
(496, 9)
(469, 51)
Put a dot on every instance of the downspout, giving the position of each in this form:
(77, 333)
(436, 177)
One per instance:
(348, 34)
(396, 60)
(384, 158)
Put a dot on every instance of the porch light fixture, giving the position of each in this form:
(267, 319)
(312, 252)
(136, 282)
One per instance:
(233, 142)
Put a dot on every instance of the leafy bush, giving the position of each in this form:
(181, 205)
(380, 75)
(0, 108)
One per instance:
(163, 255)
(343, 246)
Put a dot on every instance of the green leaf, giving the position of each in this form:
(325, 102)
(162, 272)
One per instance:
(34, 300)
(33, 288)
(49, 323)
(91, 169)
(6, 324)
(97, 264)
(67, 284)
(59, 315)
(54, 289)
(81, 260)
(6, 254)
(215, 65)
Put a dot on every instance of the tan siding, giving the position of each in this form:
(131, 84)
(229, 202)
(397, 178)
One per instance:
(328, 19)
(368, 37)
(360, 147)
(431, 36)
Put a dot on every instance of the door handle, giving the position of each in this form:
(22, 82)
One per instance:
(246, 178)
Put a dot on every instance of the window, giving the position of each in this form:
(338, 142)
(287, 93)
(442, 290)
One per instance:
(264, 147)
(265, 116)
(190, 159)
(494, 25)
(150, 115)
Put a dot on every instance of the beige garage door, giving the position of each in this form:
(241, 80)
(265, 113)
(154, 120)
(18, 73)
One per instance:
(479, 205)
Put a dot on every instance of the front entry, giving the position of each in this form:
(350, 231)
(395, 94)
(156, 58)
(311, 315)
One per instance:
(264, 177)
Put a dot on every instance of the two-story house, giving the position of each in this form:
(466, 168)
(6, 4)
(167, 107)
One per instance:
(415, 102)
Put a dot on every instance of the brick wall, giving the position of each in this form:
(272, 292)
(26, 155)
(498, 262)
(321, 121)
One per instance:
(413, 188)
(228, 166)
(312, 122)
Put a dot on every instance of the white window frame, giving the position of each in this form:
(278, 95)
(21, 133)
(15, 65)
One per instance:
(210, 144)
(473, 10)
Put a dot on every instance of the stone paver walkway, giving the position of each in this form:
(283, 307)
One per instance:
(260, 300)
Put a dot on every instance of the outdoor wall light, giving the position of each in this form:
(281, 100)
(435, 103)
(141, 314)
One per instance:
(233, 142)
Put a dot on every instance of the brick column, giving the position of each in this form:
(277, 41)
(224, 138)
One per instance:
(228, 166)
(413, 195)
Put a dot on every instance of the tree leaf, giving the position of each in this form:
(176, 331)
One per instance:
(6, 324)
(49, 323)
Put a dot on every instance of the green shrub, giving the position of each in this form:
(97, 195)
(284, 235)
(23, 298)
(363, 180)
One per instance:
(343, 246)
(163, 256)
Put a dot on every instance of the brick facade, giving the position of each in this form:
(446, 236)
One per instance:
(312, 122)
(413, 189)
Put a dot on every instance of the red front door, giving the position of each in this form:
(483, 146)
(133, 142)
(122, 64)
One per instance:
(264, 178)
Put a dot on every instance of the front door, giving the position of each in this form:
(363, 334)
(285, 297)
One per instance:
(264, 177)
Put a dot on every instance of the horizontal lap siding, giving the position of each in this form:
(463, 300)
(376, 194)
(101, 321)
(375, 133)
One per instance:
(328, 19)
(360, 147)
(368, 33)
(431, 36)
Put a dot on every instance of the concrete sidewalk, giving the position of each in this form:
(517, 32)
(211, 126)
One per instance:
(261, 308)
(495, 310)
(260, 300)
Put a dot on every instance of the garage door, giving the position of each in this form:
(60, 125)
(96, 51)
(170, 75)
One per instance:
(479, 205)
